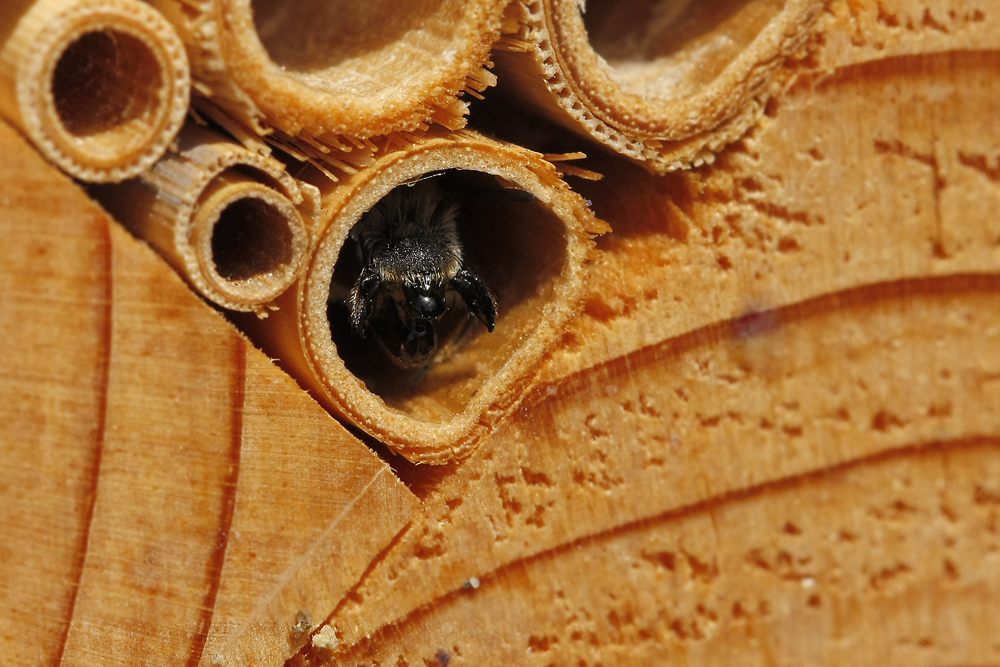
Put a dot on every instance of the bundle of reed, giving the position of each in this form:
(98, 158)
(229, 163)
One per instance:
(230, 220)
(101, 87)
(665, 83)
(337, 73)
(530, 249)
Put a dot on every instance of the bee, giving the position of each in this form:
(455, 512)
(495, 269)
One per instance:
(411, 257)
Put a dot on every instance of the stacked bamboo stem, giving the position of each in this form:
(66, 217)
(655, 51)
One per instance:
(668, 84)
(231, 221)
(100, 87)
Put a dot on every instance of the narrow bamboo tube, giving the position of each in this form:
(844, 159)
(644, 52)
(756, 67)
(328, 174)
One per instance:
(100, 87)
(336, 71)
(231, 221)
(531, 254)
(665, 83)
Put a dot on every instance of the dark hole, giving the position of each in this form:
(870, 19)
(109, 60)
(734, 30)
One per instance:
(517, 248)
(250, 239)
(104, 80)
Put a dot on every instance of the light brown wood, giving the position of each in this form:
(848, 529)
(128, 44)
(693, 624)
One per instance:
(156, 507)
(818, 306)
(770, 437)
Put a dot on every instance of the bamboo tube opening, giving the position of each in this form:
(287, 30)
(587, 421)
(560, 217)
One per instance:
(670, 49)
(359, 69)
(665, 83)
(231, 221)
(523, 233)
(102, 88)
(246, 237)
(516, 247)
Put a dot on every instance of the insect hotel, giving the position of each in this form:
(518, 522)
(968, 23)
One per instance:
(499, 332)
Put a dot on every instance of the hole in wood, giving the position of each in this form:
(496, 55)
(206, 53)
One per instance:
(251, 239)
(106, 87)
(665, 49)
(515, 244)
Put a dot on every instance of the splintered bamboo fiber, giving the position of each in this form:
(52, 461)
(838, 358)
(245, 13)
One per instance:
(664, 82)
(231, 221)
(101, 87)
(531, 254)
(336, 70)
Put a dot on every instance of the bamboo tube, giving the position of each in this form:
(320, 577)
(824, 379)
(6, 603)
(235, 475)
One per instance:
(665, 83)
(336, 71)
(231, 221)
(531, 255)
(100, 87)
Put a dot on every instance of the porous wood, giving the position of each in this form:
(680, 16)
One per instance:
(772, 436)
(169, 496)
(101, 87)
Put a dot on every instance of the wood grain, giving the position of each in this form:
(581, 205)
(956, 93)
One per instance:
(819, 302)
(157, 509)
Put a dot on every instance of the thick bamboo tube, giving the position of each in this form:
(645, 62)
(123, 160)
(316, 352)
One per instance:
(336, 70)
(436, 413)
(231, 221)
(665, 83)
(100, 87)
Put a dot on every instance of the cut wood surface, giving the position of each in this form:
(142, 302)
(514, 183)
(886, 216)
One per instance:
(170, 496)
(771, 437)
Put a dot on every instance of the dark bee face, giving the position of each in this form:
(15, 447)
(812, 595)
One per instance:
(410, 258)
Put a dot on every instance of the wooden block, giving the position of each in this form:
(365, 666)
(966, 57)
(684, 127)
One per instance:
(172, 491)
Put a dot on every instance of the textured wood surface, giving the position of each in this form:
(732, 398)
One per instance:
(170, 496)
(772, 437)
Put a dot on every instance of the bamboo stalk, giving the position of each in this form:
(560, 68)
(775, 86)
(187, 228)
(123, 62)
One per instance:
(667, 84)
(231, 221)
(336, 70)
(101, 87)
(437, 413)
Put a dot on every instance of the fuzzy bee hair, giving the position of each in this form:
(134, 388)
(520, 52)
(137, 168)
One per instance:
(409, 237)
(412, 254)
